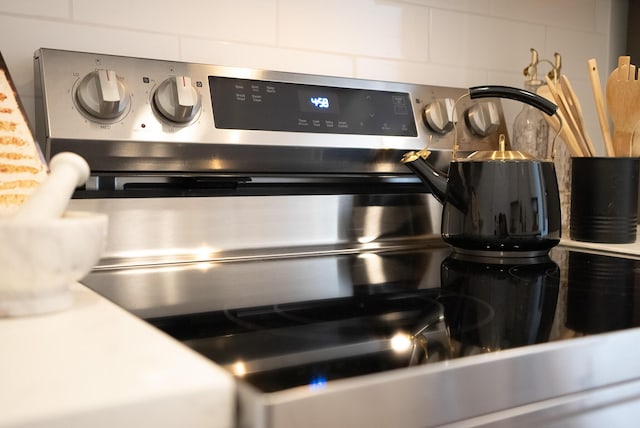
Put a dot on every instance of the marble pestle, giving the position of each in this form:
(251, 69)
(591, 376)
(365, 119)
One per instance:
(66, 172)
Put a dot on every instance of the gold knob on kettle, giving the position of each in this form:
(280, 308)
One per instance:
(501, 154)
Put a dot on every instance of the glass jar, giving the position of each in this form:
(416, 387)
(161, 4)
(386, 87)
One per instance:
(530, 129)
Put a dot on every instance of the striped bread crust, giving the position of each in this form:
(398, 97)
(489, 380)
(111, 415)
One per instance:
(21, 169)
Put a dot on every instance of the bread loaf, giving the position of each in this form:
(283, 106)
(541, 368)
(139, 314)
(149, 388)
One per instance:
(21, 166)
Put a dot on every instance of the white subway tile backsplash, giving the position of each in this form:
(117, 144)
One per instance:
(603, 15)
(358, 27)
(475, 6)
(574, 14)
(265, 57)
(378, 69)
(45, 9)
(510, 78)
(576, 48)
(475, 41)
(239, 20)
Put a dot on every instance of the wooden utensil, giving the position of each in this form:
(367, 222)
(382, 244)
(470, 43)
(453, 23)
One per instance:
(560, 127)
(570, 121)
(573, 103)
(623, 103)
(622, 61)
(596, 88)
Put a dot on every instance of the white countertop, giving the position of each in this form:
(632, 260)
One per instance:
(628, 249)
(95, 365)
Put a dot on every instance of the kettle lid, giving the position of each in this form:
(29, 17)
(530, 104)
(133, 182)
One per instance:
(500, 154)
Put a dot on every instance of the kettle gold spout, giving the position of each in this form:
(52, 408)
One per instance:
(431, 177)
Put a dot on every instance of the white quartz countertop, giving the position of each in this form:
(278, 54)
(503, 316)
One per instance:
(622, 249)
(95, 365)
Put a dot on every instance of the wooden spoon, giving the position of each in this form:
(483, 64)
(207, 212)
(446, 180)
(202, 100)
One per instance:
(623, 103)
(596, 88)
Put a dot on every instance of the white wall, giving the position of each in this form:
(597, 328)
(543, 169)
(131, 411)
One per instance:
(441, 42)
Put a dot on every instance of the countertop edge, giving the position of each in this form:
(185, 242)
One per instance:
(97, 365)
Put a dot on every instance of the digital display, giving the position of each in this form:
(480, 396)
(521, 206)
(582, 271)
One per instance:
(293, 107)
(318, 101)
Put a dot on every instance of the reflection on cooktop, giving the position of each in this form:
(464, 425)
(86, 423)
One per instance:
(355, 335)
(603, 293)
(500, 306)
(478, 307)
(379, 311)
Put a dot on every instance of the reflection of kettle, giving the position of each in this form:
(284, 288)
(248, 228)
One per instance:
(490, 306)
(499, 203)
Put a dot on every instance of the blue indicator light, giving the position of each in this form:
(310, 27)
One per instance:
(317, 382)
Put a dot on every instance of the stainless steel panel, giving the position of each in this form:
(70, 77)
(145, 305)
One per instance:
(231, 283)
(140, 141)
(617, 405)
(533, 379)
(151, 230)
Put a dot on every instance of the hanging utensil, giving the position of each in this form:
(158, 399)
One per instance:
(596, 88)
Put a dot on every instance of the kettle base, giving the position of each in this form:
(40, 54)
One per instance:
(488, 257)
(502, 254)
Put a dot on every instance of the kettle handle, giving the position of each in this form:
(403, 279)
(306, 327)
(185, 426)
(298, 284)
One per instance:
(517, 94)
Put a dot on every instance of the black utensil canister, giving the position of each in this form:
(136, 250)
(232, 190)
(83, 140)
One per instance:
(604, 199)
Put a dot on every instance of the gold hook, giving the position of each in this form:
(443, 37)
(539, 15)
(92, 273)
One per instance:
(531, 70)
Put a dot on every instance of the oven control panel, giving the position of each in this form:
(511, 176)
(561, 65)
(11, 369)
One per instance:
(294, 107)
(137, 114)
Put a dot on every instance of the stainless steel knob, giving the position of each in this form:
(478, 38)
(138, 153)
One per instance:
(438, 116)
(483, 118)
(102, 95)
(177, 99)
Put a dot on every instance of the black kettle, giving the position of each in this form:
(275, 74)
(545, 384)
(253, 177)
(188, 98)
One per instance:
(496, 203)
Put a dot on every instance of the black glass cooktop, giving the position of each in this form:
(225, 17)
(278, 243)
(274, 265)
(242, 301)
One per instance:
(282, 323)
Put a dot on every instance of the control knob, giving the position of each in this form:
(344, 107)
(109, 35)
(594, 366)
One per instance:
(483, 118)
(102, 95)
(177, 99)
(438, 116)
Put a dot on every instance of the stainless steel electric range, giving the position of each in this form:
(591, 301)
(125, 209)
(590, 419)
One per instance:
(264, 220)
